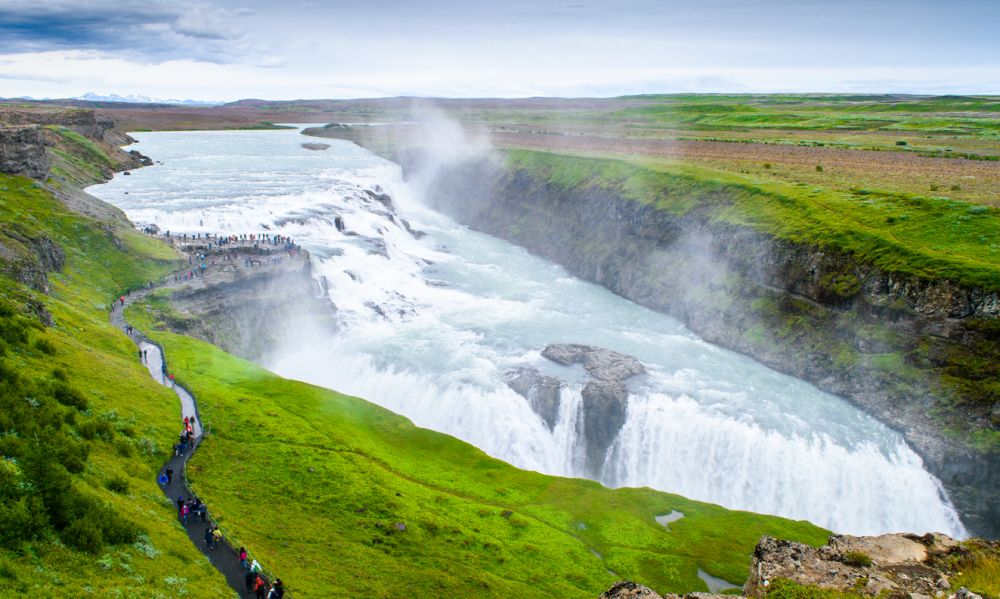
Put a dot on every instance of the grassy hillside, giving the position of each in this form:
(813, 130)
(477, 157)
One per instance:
(83, 428)
(315, 483)
(927, 236)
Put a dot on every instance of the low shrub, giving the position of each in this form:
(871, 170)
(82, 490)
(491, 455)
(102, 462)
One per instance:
(856, 559)
(118, 484)
(84, 535)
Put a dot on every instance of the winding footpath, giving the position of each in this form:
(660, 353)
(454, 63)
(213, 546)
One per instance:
(224, 557)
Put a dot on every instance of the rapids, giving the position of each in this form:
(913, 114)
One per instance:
(430, 324)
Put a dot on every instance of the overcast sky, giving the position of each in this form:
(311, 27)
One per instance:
(223, 50)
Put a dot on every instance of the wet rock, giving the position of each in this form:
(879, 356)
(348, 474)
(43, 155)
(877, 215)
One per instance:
(381, 198)
(600, 363)
(316, 147)
(376, 246)
(409, 229)
(542, 392)
(605, 405)
(141, 158)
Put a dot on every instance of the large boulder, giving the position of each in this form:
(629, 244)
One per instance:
(600, 363)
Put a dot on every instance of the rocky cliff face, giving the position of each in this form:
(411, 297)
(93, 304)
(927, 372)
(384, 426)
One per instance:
(896, 345)
(250, 310)
(22, 151)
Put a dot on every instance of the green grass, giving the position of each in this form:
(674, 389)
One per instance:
(964, 116)
(82, 425)
(929, 237)
(313, 483)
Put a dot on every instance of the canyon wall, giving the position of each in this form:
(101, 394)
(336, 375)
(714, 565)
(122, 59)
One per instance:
(903, 348)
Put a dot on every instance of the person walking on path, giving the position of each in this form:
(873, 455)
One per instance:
(164, 479)
(208, 538)
(216, 537)
(243, 558)
(259, 587)
(140, 356)
(277, 590)
(185, 510)
(170, 475)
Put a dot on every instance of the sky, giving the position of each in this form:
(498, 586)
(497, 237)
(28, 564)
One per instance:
(220, 50)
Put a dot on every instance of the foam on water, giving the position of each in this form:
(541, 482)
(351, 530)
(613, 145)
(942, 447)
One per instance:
(429, 326)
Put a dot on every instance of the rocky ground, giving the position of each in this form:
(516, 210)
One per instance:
(893, 565)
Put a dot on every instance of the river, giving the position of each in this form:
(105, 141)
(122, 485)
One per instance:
(430, 324)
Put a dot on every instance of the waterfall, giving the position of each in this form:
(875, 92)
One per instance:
(432, 315)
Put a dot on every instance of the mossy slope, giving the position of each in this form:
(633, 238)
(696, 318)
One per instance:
(80, 416)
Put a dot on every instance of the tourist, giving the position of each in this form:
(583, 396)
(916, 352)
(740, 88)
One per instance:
(278, 590)
(243, 558)
(145, 356)
(208, 538)
(216, 537)
(170, 475)
(259, 586)
(163, 480)
(185, 510)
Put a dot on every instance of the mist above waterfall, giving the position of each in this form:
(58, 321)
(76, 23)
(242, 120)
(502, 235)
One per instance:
(431, 316)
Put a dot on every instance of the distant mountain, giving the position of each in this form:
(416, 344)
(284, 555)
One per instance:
(135, 99)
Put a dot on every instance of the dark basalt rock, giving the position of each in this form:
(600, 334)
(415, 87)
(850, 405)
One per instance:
(141, 158)
(22, 152)
(316, 147)
(605, 399)
(542, 392)
(605, 405)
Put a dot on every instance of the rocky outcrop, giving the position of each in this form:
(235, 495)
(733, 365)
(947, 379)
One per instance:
(629, 590)
(250, 311)
(605, 397)
(28, 258)
(316, 147)
(22, 151)
(542, 392)
(602, 364)
(87, 123)
(893, 565)
(886, 341)
(889, 565)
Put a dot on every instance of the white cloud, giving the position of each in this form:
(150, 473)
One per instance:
(71, 73)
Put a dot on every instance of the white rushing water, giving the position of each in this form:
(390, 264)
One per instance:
(429, 326)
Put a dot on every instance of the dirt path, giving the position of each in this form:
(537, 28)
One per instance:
(224, 557)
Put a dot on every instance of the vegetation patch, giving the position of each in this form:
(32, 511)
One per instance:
(73, 484)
